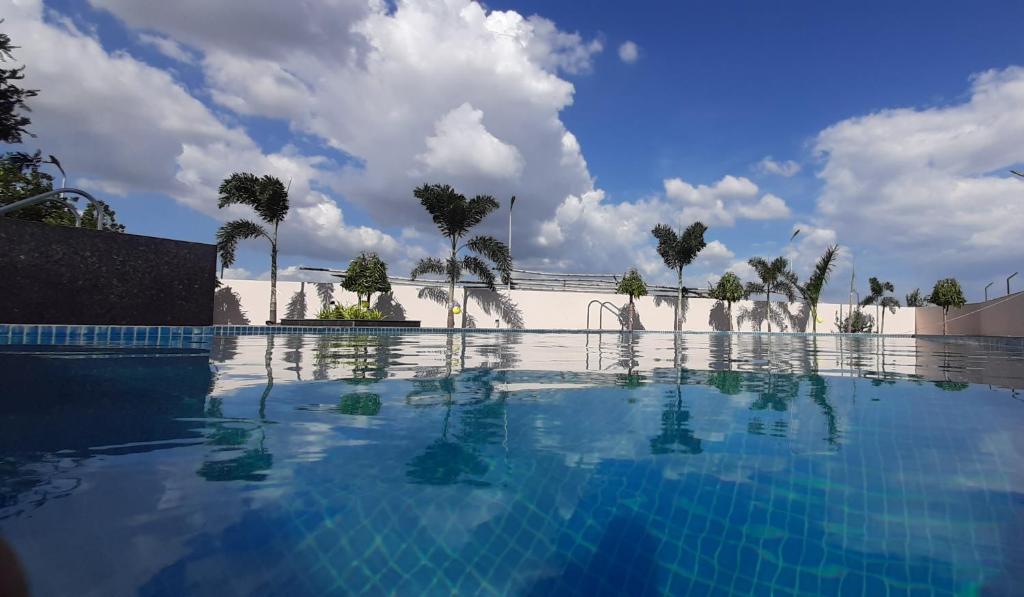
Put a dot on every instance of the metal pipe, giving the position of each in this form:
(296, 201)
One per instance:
(1008, 282)
(986, 290)
(59, 193)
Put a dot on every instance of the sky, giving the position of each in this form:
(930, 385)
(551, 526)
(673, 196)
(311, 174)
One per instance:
(888, 128)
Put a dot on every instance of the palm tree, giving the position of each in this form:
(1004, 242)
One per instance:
(269, 198)
(811, 291)
(678, 250)
(878, 298)
(454, 216)
(914, 299)
(775, 277)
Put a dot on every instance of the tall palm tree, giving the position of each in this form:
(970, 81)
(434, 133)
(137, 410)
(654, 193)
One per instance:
(269, 198)
(775, 277)
(880, 300)
(677, 251)
(811, 291)
(454, 216)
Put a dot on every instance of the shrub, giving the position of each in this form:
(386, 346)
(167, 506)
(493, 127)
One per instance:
(357, 311)
(862, 323)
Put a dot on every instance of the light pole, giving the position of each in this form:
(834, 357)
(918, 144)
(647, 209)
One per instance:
(1008, 282)
(511, 204)
(986, 290)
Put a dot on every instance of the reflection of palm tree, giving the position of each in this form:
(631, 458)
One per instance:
(676, 437)
(819, 394)
(252, 465)
(451, 459)
(444, 462)
(270, 375)
(775, 391)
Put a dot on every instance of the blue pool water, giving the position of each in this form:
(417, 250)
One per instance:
(533, 464)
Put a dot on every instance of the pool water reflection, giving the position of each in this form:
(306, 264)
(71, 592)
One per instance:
(518, 463)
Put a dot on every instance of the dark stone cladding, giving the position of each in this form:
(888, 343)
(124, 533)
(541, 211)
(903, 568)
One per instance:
(75, 276)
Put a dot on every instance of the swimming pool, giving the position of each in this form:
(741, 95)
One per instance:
(517, 463)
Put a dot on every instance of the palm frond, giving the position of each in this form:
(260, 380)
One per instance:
(819, 276)
(679, 250)
(447, 208)
(479, 268)
(495, 250)
(229, 235)
(478, 208)
(429, 265)
(754, 288)
(760, 266)
(266, 195)
(667, 241)
(889, 302)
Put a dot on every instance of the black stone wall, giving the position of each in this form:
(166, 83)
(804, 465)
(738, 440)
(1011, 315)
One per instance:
(64, 275)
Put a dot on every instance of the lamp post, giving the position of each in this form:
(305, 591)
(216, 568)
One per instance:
(986, 290)
(511, 204)
(1008, 282)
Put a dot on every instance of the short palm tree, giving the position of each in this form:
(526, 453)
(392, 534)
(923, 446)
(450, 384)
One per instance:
(677, 251)
(455, 216)
(269, 198)
(775, 277)
(811, 291)
(366, 274)
(729, 289)
(880, 299)
(633, 285)
(947, 293)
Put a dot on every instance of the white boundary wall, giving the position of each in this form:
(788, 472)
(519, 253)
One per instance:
(543, 309)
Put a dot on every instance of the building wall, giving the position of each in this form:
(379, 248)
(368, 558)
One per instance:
(248, 302)
(1003, 316)
(63, 275)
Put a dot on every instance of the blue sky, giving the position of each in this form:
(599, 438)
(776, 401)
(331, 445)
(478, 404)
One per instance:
(901, 119)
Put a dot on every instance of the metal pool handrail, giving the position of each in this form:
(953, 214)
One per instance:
(58, 195)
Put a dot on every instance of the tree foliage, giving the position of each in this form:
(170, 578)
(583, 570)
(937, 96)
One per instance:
(22, 176)
(366, 274)
(914, 298)
(729, 289)
(947, 293)
(13, 121)
(455, 216)
(632, 284)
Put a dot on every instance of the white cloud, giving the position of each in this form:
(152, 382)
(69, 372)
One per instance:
(723, 202)
(131, 128)
(629, 52)
(462, 146)
(715, 254)
(769, 207)
(167, 47)
(427, 91)
(931, 184)
(786, 169)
